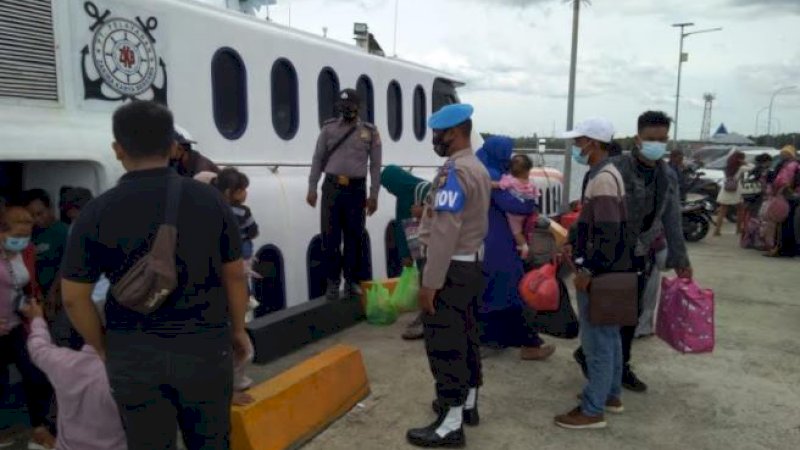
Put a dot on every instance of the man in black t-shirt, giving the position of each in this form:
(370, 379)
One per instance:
(174, 365)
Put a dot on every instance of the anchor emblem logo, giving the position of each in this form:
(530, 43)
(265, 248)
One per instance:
(124, 57)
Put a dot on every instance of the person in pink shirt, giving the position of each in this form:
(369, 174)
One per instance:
(88, 418)
(518, 183)
(787, 185)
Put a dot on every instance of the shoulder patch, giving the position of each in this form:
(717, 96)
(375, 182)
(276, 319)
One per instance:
(450, 196)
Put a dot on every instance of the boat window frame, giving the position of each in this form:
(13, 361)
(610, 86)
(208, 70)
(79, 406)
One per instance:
(395, 128)
(294, 101)
(221, 91)
(326, 107)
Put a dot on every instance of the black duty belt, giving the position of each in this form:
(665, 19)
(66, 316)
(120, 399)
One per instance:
(342, 180)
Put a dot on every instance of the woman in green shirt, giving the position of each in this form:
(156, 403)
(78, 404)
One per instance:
(410, 191)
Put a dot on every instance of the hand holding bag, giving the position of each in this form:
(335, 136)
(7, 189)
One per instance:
(686, 316)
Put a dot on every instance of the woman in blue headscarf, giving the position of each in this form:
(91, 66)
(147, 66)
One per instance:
(502, 316)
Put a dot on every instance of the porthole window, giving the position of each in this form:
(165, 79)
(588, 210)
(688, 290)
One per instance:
(367, 94)
(327, 94)
(270, 288)
(420, 113)
(229, 93)
(444, 93)
(394, 113)
(285, 114)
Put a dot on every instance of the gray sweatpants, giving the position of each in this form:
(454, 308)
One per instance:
(650, 297)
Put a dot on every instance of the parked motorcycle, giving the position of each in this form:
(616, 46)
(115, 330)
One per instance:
(696, 184)
(697, 218)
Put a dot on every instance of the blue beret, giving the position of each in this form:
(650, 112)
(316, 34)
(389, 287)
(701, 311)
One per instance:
(450, 116)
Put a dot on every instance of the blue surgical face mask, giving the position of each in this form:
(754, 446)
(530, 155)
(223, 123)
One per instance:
(16, 244)
(579, 157)
(654, 150)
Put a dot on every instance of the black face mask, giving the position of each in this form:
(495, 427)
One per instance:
(349, 112)
(439, 145)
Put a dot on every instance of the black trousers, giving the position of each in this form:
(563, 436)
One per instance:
(37, 389)
(787, 241)
(343, 218)
(451, 335)
(627, 333)
(159, 390)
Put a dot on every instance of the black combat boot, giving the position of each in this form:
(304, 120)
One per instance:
(446, 432)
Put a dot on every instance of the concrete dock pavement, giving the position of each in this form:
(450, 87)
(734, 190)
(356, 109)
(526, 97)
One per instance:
(746, 395)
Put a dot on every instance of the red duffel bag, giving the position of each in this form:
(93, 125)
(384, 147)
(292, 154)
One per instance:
(539, 288)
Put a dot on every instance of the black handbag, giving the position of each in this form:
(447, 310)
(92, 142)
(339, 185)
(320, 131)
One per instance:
(562, 323)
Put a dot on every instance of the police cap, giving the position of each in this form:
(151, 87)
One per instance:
(349, 96)
(450, 116)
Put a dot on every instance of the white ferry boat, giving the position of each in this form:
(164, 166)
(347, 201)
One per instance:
(252, 93)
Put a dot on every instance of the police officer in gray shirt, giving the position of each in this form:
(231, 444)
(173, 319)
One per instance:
(346, 150)
(454, 223)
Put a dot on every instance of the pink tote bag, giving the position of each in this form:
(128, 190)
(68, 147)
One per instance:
(686, 316)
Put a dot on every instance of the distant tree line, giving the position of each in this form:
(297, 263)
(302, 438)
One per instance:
(777, 141)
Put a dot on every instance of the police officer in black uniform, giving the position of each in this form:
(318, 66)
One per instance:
(347, 150)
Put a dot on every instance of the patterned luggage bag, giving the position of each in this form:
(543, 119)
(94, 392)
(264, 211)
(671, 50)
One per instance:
(686, 316)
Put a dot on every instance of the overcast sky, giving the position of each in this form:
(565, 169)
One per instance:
(514, 56)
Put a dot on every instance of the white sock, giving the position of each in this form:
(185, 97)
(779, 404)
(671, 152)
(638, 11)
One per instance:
(451, 422)
(472, 398)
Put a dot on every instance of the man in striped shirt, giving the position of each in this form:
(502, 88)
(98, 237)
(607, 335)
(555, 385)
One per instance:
(599, 247)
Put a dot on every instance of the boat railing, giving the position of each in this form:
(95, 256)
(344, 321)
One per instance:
(274, 167)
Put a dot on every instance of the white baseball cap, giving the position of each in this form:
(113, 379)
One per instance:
(182, 136)
(595, 128)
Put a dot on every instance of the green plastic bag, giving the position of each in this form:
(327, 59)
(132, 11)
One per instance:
(380, 310)
(404, 297)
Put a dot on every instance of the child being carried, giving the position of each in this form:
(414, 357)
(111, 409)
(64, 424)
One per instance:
(518, 183)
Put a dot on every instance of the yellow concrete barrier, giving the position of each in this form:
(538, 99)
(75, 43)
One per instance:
(299, 403)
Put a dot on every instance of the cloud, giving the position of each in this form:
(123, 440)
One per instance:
(516, 3)
(777, 6)
(763, 79)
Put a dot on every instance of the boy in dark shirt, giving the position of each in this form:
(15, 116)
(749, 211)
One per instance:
(233, 185)
(49, 236)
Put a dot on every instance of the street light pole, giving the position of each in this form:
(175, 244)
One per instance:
(758, 119)
(682, 26)
(681, 59)
(576, 12)
(772, 101)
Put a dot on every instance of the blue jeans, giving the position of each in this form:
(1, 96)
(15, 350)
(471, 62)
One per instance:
(603, 349)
